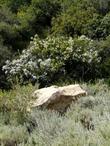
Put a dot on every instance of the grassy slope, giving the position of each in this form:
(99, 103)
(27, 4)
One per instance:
(86, 123)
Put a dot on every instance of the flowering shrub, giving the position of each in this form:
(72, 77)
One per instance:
(45, 57)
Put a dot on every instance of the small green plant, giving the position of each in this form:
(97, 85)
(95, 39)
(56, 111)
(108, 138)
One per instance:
(14, 103)
(12, 136)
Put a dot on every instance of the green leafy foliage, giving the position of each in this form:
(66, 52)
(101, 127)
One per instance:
(9, 28)
(73, 21)
(50, 57)
(5, 54)
(105, 58)
(37, 17)
(20, 20)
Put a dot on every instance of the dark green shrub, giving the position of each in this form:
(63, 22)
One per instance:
(5, 54)
(9, 29)
(105, 57)
(37, 17)
(74, 21)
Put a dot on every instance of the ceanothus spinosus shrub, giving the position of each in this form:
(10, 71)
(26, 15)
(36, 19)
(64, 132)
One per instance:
(46, 57)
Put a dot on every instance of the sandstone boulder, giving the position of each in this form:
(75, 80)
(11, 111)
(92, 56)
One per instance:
(57, 98)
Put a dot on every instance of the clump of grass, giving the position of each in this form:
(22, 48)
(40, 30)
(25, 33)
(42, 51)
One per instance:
(11, 135)
(14, 103)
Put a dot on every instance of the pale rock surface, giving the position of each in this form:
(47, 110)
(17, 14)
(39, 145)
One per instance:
(57, 98)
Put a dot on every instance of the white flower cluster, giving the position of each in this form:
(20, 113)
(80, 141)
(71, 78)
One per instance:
(90, 51)
(49, 55)
(27, 64)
